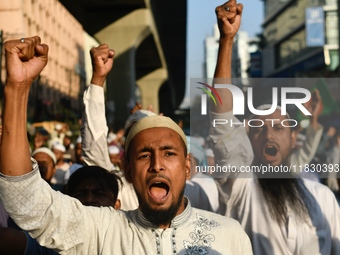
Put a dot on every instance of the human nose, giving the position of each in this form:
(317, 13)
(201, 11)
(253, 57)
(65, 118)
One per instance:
(269, 133)
(156, 163)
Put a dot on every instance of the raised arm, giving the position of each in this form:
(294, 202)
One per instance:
(94, 127)
(306, 153)
(229, 21)
(25, 59)
(102, 62)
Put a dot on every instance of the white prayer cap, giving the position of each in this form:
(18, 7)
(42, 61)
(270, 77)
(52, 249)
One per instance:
(137, 115)
(46, 151)
(153, 122)
(111, 137)
(113, 149)
(59, 147)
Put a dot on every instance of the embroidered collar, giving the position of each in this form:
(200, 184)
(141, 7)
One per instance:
(176, 222)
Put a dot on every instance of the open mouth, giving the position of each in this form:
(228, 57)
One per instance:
(159, 190)
(270, 150)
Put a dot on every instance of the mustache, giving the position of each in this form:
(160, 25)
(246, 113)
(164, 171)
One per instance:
(272, 143)
(153, 176)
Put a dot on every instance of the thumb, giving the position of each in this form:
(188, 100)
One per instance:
(42, 52)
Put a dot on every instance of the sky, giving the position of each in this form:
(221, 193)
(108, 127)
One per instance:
(201, 19)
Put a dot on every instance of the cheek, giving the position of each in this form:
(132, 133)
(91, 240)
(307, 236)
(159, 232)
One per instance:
(136, 176)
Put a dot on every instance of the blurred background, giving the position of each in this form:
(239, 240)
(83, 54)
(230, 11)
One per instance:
(161, 45)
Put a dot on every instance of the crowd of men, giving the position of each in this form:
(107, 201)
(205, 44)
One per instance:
(137, 191)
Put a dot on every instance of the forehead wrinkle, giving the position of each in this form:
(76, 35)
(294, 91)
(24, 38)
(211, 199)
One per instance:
(145, 149)
(277, 113)
(161, 147)
(167, 147)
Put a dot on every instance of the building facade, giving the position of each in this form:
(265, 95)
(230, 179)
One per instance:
(301, 38)
(240, 55)
(58, 90)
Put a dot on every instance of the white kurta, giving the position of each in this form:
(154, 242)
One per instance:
(243, 200)
(94, 132)
(62, 223)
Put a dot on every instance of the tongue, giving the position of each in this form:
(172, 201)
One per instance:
(158, 192)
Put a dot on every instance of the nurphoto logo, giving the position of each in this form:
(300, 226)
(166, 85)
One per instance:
(238, 99)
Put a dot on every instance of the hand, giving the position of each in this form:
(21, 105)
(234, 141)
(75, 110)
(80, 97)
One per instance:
(24, 61)
(102, 62)
(315, 107)
(229, 21)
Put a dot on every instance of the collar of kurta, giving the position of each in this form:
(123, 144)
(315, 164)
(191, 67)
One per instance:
(176, 222)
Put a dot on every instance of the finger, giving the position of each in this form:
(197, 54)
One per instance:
(228, 9)
(239, 9)
(101, 53)
(111, 53)
(41, 50)
(27, 47)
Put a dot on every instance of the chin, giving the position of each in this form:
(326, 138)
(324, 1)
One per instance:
(160, 215)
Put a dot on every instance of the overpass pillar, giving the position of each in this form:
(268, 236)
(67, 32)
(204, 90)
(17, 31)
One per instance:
(149, 86)
(124, 36)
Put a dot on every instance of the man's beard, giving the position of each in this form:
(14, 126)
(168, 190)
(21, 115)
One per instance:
(283, 193)
(162, 216)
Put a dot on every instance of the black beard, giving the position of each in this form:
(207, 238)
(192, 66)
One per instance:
(163, 216)
(283, 193)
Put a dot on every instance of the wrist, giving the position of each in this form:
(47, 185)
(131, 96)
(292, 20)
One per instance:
(17, 87)
(225, 40)
(99, 81)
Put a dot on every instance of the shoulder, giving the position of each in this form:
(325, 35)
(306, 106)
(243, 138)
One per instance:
(317, 188)
(324, 197)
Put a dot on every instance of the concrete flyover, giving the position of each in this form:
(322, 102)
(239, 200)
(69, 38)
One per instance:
(149, 37)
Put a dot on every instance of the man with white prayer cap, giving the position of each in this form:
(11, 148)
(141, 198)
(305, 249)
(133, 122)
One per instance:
(156, 163)
(47, 161)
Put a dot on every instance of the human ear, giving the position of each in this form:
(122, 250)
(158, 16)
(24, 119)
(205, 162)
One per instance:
(187, 167)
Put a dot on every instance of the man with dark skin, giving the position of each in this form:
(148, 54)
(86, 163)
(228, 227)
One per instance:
(281, 215)
(157, 165)
(46, 161)
(91, 185)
